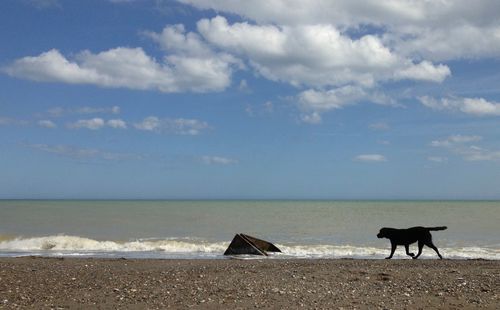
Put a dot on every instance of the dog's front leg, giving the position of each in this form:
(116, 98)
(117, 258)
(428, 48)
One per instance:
(393, 249)
(407, 247)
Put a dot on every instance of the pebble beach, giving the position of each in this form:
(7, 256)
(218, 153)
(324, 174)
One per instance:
(89, 283)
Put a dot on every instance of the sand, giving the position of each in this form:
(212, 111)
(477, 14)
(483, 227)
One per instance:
(45, 283)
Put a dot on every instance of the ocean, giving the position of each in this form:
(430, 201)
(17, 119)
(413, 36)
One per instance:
(204, 229)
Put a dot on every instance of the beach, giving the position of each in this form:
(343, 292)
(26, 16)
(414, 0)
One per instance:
(62, 283)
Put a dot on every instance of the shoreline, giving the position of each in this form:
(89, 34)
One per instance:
(67, 283)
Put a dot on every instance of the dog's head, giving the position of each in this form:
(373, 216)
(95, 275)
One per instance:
(383, 233)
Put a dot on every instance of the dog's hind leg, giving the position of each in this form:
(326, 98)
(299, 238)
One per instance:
(420, 246)
(407, 248)
(432, 246)
(393, 249)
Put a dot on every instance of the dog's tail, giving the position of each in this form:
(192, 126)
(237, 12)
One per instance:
(436, 228)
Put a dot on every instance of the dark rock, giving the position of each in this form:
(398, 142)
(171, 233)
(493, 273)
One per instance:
(262, 244)
(245, 244)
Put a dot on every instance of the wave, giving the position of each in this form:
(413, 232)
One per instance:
(198, 248)
(349, 251)
(75, 243)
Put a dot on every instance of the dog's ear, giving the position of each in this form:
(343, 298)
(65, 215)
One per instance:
(381, 233)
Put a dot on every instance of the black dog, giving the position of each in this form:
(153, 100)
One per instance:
(408, 236)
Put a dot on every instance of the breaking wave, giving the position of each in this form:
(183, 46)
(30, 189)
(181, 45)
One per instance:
(74, 243)
(62, 245)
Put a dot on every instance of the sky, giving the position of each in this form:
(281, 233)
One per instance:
(239, 99)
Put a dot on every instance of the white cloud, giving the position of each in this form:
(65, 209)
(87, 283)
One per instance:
(268, 107)
(56, 112)
(459, 41)
(437, 159)
(425, 71)
(179, 126)
(96, 110)
(174, 38)
(311, 118)
(370, 158)
(117, 123)
(60, 111)
(47, 124)
(264, 109)
(379, 126)
(217, 160)
(341, 12)
(315, 55)
(461, 145)
(319, 46)
(436, 30)
(243, 86)
(454, 140)
(92, 124)
(82, 153)
(330, 100)
(6, 121)
(151, 123)
(471, 106)
(475, 153)
(314, 102)
(129, 68)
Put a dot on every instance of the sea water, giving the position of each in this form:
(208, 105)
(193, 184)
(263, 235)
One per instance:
(203, 229)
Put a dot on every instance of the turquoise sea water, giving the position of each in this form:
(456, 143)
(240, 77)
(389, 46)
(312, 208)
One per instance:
(203, 229)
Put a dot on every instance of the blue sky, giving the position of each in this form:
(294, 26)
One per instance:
(214, 99)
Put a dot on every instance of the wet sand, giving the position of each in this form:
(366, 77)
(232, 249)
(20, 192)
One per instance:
(45, 283)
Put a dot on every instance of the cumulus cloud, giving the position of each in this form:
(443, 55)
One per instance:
(218, 160)
(117, 123)
(96, 110)
(323, 48)
(459, 41)
(341, 12)
(455, 140)
(174, 38)
(129, 68)
(60, 111)
(462, 145)
(425, 71)
(150, 123)
(311, 118)
(314, 102)
(179, 126)
(243, 86)
(437, 159)
(47, 124)
(436, 30)
(370, 158)
(471, 106)
(5, 121)
(317, 100)
(379, 126)
(97, 123)
(315, 55)
(82, 153)
(476, 153)
(92, 124)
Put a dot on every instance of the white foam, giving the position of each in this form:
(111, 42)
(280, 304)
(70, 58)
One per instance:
(75, 243)
(349, 251)
(199, 248)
